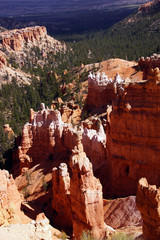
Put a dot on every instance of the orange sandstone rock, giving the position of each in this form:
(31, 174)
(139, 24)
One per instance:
(78, 195)
(10, 199)
(86, 196)
(148, 203)
(16, 38)
(133, 137)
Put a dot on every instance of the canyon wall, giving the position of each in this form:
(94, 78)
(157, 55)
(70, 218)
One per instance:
(148, 203)
(132, 136)
(133, 139)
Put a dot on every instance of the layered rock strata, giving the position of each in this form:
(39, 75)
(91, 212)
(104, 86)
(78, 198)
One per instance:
(148, 203)
(78, 195)
(133, 137)
(102, 90)
(16, 39)
(122, 213)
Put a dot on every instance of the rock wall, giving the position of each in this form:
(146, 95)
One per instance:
(78, 195)
(133, 139)
(148, 203)
(101, 90)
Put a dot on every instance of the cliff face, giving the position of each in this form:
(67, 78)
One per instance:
(102, 86)
(133, 137)
(148, 203)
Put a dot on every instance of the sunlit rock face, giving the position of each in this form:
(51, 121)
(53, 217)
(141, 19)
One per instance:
(10, 199)
(102, 90)
(17, 39)
(148, 203)
(47, 136)
(150, 67)
(78, 195)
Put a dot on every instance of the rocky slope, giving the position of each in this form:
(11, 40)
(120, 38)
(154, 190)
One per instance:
(26, 46)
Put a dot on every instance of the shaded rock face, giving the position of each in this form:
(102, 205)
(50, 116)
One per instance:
(78, 195)
(133, 137)
(148, 203)
(61, 197)
(101, 90)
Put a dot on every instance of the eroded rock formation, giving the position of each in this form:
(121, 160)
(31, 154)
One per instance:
(16, 39)
(150, 67)
(86, 196)
(46, 134)
(148, 203)
(3, 61)
(102, 90)
(132, 128)
(78, 195)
